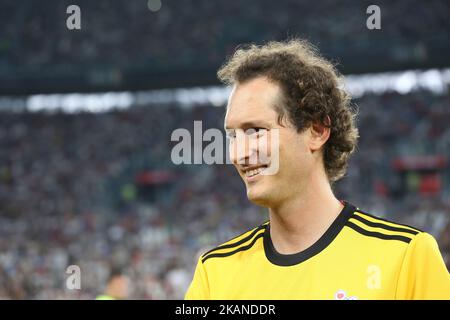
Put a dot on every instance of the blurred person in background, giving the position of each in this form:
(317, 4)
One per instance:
(118, 286)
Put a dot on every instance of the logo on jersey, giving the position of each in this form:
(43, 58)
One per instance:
(342, 295)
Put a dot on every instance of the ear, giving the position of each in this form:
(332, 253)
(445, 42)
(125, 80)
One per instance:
(319, 134)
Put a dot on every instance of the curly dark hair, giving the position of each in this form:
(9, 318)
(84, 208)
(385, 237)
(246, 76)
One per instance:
(312, 93)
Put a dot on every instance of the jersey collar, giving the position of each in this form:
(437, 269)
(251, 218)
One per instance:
(292, 259)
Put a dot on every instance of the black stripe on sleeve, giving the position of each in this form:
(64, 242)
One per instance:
(237, 243)
(378, 218)
(377, 234)
(226, 254)
(382, 225)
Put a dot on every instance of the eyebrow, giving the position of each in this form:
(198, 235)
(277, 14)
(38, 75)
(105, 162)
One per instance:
(250, 124)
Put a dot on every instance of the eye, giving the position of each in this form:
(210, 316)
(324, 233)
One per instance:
(258, 131)
(231, 134)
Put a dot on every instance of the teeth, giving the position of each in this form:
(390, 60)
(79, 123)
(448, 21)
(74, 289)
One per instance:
(253, 172)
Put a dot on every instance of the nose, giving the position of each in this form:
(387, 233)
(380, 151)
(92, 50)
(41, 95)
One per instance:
(243, 150)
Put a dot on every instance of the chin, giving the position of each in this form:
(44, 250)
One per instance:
(258, 197)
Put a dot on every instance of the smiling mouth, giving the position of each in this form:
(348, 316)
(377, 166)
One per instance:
(251, 173)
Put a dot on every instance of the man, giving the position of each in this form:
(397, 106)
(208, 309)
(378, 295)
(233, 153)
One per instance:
(313, 246)
(117, 287)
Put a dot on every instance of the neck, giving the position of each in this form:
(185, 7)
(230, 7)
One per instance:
(299, 222)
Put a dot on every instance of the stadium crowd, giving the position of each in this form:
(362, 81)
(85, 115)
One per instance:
(197, 33)
(68, 193)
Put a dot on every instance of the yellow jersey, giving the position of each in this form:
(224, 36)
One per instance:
(104, 297)
(360, 256)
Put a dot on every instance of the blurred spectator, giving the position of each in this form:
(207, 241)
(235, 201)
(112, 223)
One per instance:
(118, 287)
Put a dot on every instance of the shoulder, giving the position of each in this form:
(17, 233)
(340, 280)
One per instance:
(371, 225)
(242, 242)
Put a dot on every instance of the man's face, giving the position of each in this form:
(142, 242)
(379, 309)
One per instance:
(251, 107)
(121, 287)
